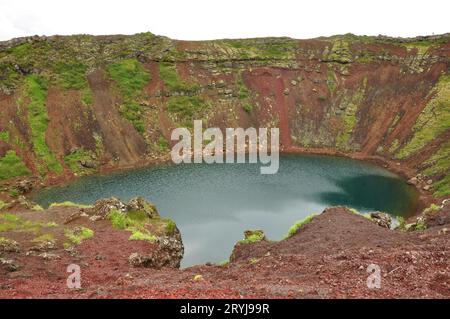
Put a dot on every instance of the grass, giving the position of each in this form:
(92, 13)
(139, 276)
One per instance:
(44, 238)
(142, 235)
(12, 165)
(11, 222)
(433, 121)
(169, 74)
(439, 163)
(247, 108)
(36, 88)
(252, 237)
(294, 228)
(186, 108)
(349, 118)
(72, 75)
(2, 204)
(4, 136)
(130, 78)
(134, 222)
(73, 161)
(77, 235)
(69, 204)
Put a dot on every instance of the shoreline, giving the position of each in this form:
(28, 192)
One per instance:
(396, 167)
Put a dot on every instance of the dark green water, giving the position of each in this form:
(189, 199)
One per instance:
(213, 204)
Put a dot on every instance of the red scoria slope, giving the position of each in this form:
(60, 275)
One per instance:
(327, 258)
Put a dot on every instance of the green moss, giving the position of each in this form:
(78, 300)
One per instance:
(247, 108)
(78, 234)
(252, 237)
(44, 238)
(72, 75)
(437, 164)
(4, 136)
(170, 227)
(331, 81)
(185, 109)
(74, 159)
(69, 204)
(86, 97)
(134, 222)
(294, 228)
(340, 52)
(442, 187)
(142, 235)
(12, 165)
(351, 104)
(36, 90)
(169, 74)
(12, 222)
(244, 93)
(163, 144)
(433, 121)
(130, 77)
(37, 208)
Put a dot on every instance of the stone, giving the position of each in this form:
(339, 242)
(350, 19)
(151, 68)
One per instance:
(103, 207)
(426, 187)
(286, 91)
(294, 82)
(412, 181)
(24, 186)
(9, 246)
(139, 204)
(381, 219)
(9, 265)
(88, 164)
(430, 181)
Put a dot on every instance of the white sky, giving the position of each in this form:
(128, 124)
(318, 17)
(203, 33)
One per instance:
(213, 19)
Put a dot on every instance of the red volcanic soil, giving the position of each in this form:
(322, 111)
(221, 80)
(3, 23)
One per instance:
(326, 258)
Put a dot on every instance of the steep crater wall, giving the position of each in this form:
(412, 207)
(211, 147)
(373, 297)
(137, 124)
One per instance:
(77, 105)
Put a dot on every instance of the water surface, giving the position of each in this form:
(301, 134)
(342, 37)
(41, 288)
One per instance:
(213, 204)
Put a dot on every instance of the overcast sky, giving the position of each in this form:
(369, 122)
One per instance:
(211, 19)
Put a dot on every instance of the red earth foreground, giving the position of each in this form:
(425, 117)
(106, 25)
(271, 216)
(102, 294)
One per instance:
(326, 258)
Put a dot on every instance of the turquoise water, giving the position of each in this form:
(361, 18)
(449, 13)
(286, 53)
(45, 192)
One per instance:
(213, 204)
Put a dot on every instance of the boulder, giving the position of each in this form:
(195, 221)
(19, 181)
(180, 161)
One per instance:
(139, 204)
(381, 219)
(24, 186)
(103, 207)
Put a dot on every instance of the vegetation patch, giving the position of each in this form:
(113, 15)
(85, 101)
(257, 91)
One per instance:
(4, 136)
(134, 222)
(45, 238)
(438, 164)
(350, 105)
(252, 236)
(69, 204)
(186, 108)
(12, 165)
(142, 235)
(36, 88)
(77, 235)
(74, 160)
(433, 121)
(11, 222)
(130, 77)
(294, 228)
